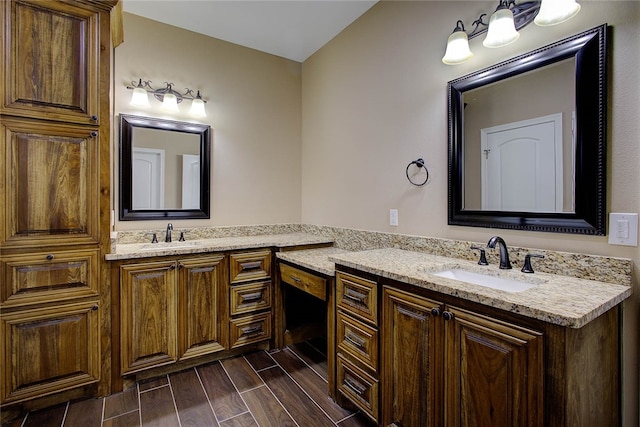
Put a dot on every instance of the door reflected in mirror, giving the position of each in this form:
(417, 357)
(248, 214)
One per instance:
(519, 146)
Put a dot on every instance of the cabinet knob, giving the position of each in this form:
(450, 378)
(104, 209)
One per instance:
(95, 307)
(94, 118)
(435, 311)
(173, 267)
(93, 134)
(447, 315)
(50, 257)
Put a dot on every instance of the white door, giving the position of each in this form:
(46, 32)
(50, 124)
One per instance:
(522, 166)
(190, 181)
(148, 178)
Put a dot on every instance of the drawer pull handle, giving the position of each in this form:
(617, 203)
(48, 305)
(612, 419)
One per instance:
(296, 279)
(251, 330)
(50, 257)
(355, 296)
(355, 340)
(358, 389)
(252, 297)
(250, 265)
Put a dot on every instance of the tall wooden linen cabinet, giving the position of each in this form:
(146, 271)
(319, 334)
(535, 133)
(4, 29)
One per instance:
(55, 203)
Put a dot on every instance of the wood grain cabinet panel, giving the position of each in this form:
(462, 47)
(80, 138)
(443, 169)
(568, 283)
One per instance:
(494, 372)
(148, 311)
(201, 283)
(249, 266)
(51, 57)
(40, 277)
(49, 349)
(51, 185)
(358, 386)
(250, 329)
(357, 296)
(358, 340)
(250, 297)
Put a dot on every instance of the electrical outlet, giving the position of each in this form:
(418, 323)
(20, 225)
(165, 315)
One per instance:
(393, 217)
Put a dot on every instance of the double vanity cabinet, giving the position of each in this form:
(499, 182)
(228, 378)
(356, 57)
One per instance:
(174, 309)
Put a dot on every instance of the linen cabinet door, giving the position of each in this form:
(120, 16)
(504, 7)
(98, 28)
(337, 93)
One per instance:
(51, 185)
(48, 350)
(494, 372)
(412, 360)
(201, 293)
(148, 315)
(51, 57)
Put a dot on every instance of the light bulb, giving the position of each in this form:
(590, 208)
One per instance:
(502, 29)
(170, 103)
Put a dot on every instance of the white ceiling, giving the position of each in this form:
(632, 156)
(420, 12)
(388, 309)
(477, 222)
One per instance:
(293, 29)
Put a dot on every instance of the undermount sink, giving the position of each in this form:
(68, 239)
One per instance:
(501, 283)
(168, 245)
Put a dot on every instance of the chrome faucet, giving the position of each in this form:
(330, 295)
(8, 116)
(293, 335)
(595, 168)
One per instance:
(505, 264)
(169, 228)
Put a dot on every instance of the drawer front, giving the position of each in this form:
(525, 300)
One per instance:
(250, 266)
(250, 329)
(307, 282)
(358, 386)
(251, 297)
(358, 340)
(47, 277)
(357, 296)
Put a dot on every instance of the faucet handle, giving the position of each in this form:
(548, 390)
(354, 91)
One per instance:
(181, 239)
(526, 268)
(483, 257)
(154, 239)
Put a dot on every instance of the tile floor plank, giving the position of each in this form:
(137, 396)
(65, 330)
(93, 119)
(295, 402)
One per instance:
(357, 420)
(85, 413)
(50, 417)
(224, 398)
(266, 409)
(157, 408)
(192, 402)
(310, 382)
(244, 420)
(121, 403)
(148, 384)
(131, 419)
(259, 360)
(241, 373)
(312, 357)
(297, 403)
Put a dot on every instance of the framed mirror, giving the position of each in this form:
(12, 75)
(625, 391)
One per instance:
(527, 140)
(164, 169)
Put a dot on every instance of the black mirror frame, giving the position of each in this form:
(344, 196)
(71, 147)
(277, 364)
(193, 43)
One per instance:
(590, 50)
(127, 124)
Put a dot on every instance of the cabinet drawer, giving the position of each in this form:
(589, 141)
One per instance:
(47, 277)
(358, 340)
(358, 386)
(250, 329)
(357, 296)
(251, 297)
(307, 282)
(250, 266)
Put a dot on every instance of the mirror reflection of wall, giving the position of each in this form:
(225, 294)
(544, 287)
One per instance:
(158, 159)
(517, 100)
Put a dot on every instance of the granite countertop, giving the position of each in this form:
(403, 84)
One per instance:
(147, 250)
(314, 259)
(556, 299)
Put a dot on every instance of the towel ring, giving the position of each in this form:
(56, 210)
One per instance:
(420, 164)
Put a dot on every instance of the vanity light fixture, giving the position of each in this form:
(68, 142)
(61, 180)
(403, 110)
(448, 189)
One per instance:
(169, 97)
(504, 24)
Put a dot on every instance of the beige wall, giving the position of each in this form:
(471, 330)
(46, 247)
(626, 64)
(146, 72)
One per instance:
(374, 99)
(253, 109)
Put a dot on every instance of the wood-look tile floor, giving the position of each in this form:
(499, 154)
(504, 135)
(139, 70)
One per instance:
(280, 388)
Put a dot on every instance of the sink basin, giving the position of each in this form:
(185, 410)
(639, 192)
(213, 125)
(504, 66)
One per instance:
(170, 245)
(501, 283)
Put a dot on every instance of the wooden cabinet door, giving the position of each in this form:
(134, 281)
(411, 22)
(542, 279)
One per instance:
(202, 327)
(494, 372)
(412, 360)
(49, 350)
(51, 184)
(148, 315)
(51, 54)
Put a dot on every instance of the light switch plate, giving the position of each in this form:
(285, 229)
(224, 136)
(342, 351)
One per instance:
(393, 217)
(623, 229)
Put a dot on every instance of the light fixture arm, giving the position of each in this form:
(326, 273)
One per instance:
(189, 94)
(523, 14)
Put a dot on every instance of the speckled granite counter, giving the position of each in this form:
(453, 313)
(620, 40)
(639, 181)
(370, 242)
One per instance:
(314, 259)
(556, 299)
(220, 244)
